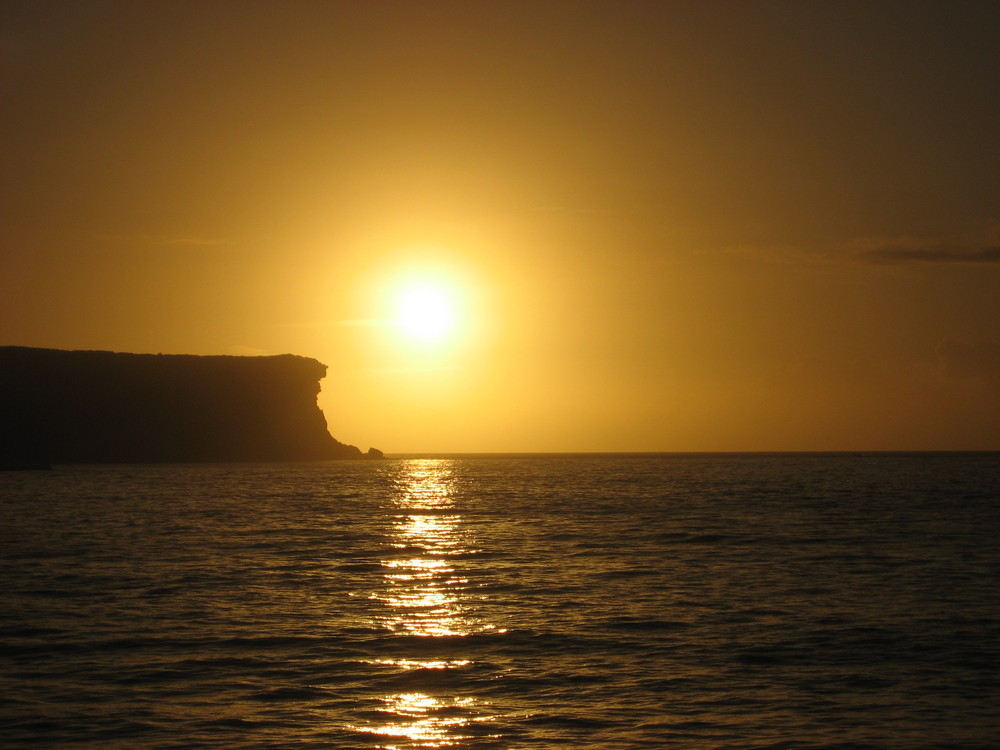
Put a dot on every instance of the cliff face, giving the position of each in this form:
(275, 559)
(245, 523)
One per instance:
(104, 407)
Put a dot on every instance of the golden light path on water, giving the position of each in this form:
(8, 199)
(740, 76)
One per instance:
(424, 596)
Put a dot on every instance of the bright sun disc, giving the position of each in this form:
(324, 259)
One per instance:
(426, 312)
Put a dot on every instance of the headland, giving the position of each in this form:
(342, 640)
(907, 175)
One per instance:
(64, 407)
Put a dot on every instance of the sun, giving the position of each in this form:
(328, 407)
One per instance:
(426, 311)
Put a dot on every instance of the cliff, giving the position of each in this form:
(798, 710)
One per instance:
(104, 407)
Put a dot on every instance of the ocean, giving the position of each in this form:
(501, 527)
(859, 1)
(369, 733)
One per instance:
(588, 601)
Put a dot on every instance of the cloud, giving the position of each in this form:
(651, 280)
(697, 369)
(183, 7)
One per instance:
(896, 255)
(408, 370)
(782, 254)
(174, 240)
(358, 323)
(363, 323)
(982, 248)
(978, 360)
(194, 240)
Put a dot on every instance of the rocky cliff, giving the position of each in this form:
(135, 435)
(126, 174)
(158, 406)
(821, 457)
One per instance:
(104, 407)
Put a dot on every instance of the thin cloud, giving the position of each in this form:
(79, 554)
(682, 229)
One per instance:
(359, 323)
(363, 323)
(408, 370)
(196, 241)
(167, 240)
(981, 249)
(780, 254)
(891, 255)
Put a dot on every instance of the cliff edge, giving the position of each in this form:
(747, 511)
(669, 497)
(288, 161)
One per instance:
(105, 407)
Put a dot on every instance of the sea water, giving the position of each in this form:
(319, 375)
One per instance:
(653, 601)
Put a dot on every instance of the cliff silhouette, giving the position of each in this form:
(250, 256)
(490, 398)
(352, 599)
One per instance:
(61, 406)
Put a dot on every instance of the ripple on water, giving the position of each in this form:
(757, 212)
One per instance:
(603, 602)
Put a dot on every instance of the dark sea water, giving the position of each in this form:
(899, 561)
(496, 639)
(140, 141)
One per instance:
(672, 601)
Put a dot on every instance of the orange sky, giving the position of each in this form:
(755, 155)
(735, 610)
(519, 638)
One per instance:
(666, 226)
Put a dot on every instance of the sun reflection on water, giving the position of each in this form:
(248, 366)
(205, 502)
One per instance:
(424, 594)
(426, 721)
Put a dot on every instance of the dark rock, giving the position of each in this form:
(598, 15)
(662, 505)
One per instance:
(104, 407)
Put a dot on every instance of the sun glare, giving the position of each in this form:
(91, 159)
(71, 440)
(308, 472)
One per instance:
(426, 311)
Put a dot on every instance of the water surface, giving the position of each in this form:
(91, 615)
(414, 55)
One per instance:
(686, 601)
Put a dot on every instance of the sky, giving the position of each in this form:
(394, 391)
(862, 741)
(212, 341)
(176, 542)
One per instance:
(650, 226)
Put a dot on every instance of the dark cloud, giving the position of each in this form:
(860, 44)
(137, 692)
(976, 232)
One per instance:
(976, 248)
(939, 254)
(978, 360)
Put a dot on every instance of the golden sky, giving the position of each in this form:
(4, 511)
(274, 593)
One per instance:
(675, 226)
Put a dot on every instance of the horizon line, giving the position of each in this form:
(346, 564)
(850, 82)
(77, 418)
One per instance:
(529, 454)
